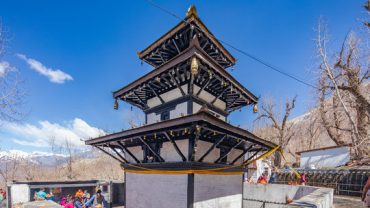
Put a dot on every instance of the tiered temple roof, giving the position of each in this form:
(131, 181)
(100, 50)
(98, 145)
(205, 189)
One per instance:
(191, 79)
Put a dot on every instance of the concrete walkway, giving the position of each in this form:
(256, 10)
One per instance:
(347, 202)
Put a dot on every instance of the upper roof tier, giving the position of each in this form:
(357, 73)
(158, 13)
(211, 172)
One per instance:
(178, 39)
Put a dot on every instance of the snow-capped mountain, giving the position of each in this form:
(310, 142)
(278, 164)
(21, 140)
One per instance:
(42, 158)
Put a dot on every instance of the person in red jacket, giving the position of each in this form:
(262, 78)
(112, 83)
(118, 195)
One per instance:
(303, 179)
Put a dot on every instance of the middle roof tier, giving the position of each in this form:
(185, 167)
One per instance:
(210, 79)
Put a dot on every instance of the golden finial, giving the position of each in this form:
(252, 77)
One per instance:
(192, 11)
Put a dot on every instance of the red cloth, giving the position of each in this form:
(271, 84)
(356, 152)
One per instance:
(303, 179)
(262, 180)
(365, 192)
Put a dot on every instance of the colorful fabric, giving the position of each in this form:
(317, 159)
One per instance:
(41, 194)
(79, 194)
(78, 204)
(69, 205)
(262, 180)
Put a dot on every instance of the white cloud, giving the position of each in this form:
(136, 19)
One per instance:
(40, 135)
(4, 68)
(54, 75)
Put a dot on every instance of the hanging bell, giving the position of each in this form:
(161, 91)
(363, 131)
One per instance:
(194, 66)
(255, 108)
(115, 104)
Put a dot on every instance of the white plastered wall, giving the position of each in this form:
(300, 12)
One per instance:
(137, 152)
(20, 193)
(197, 107)
(218, 191)
(202, 148)
(153, 118)
(168, 96)
(181, 109)
(325, 158)
(204, 95)
(156, 191)
(233, 154)
(170, 155)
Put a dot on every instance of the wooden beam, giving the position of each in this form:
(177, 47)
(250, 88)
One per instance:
(242, 154)
(233, 102)
(204, 86)
(194, 145)
(175, 146)
(253, 155)
(148, 146)
(155, 93)
(177, 48)
(191, 84)
(119, 155)
(160, 55)
(218, 96)
(141, 100)
(177, 84)
(128, 152)
(179, 76)
(228, 152)
(106, 152)
(211, 148)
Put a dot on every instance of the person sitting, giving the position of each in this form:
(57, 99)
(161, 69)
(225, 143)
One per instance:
(262, 179)
(79, 203)
(303, 179)
(49, 196)
(89, 201)
(41, 195)
(274, 176)
(69, 203)
(1, 196)
(79, 193)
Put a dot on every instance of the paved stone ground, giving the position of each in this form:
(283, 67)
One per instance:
(347, 202)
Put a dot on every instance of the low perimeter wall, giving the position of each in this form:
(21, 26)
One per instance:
(277, 195)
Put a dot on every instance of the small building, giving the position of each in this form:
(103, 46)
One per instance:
(326, 157)
(19, 192)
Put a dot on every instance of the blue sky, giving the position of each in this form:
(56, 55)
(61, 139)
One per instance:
(95, 43)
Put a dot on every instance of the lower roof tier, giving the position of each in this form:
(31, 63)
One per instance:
(195, 128)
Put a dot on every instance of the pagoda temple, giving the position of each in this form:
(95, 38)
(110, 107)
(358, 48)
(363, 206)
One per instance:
(187, 155)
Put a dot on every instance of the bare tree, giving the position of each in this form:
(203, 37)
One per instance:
(343, 81)
(313, 131)
(9, 166)
(278, 121)
(69, 156)
(11, 92)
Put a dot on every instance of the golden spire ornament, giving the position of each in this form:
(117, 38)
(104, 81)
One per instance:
(192, 11)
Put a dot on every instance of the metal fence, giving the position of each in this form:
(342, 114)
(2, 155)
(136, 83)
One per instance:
(344, 182)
